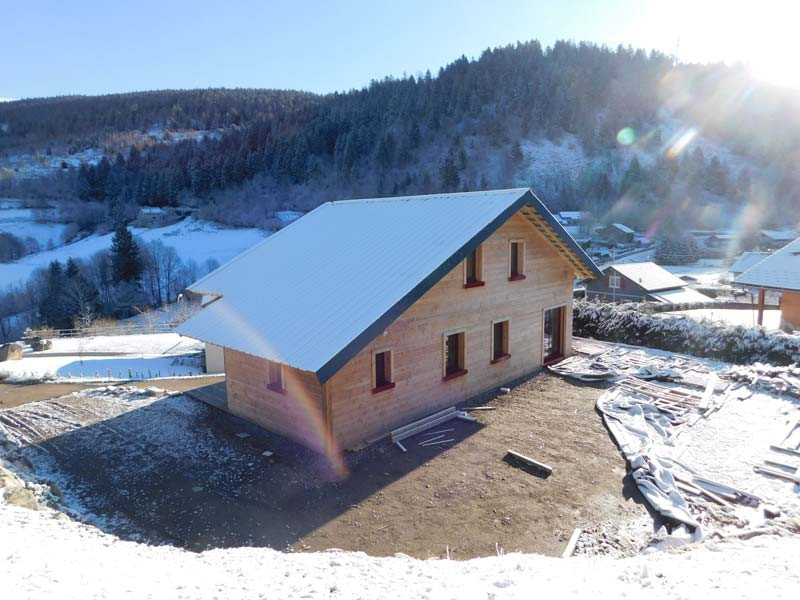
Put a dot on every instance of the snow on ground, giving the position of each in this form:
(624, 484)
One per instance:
(144, 356)
(707, 271)
(150, 343)
(44, 557)
(98, 368)
(726, 447)
(731, 316)
(192, 239)
(21, 222)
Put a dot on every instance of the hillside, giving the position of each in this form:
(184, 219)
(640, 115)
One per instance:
(618, 132)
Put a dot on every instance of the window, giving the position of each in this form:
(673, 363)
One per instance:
(473, 268)
(516, 260)
(500, 351)
(382, 371)
(275, 376)
(613, 281)
(453, 358)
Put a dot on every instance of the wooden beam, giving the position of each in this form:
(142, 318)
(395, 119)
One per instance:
(761, 297)
(530, 461)
(573, 541)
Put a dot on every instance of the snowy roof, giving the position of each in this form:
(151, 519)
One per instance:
(747, 260)
(152, 210)
(683, 294)
(316, 292)
(779, 235)
(573, 215)
(648, 275)
(623, 228)
(780, 270)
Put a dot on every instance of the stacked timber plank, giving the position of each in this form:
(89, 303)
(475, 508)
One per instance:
(420, 425)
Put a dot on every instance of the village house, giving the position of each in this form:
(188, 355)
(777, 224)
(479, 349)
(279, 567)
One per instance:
(641, 282)
(363, 315)
(778, 272)
(772, 239)
(617, 233)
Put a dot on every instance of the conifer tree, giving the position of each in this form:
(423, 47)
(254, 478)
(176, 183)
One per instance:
(125, 259)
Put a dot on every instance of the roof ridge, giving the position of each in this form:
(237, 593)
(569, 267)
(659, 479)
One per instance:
(522, 190)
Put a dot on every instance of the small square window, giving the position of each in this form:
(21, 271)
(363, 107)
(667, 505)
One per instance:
(454, 355)
(473, 268)
(516, 260)
(275, 377)
(382, 371)
(613, 281)
(500, 348)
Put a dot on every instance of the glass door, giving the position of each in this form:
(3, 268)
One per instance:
(553, 334)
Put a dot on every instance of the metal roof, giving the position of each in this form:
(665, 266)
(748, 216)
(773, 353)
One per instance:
(623, 228)
(316, 292)
(679, 295)
(648, 275)
(779, 235)
(780, 270)
(747, 260)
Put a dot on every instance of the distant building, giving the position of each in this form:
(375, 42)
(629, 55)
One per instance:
(745, 261)
(617, 233)
(159, 216)
(779, 272)
(641, 282)
(574, 217)
(772, 239)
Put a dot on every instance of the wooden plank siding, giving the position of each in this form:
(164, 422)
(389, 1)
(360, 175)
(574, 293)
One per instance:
(297, 414)
(790, 309)
(416, 338)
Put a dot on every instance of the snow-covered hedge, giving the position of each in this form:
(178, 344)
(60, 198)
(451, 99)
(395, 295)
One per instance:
(628, 324)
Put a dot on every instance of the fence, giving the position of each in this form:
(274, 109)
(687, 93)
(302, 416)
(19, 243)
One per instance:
(133, 329)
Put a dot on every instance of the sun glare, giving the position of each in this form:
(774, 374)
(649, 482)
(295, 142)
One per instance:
(760, 35)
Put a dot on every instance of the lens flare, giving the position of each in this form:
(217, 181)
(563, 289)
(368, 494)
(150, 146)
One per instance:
(306, 410)
(679, 142)
(626, 136)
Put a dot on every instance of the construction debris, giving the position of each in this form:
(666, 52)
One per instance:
(533, 463)
(573, 541)
(426, 423)
(769, 378)
(779, 474)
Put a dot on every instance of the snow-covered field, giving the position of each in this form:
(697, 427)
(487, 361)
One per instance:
(46, 557)
(21, 222)
(731, 316)
(104, 358)
(192, 239)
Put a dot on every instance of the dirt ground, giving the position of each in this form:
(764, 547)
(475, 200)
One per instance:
(16, 394)
(198, 485)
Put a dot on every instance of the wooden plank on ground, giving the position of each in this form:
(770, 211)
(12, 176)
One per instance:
(534, 463)
(573, 541)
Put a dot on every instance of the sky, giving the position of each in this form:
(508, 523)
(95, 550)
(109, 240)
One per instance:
(51, 47)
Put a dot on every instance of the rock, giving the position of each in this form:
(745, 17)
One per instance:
(10, 352)
(56, 491)
(770, 511)
(19, 496)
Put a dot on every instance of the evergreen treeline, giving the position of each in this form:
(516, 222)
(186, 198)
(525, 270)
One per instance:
(460, 129)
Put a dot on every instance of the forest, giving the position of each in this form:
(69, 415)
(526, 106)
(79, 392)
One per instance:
(461, 129)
